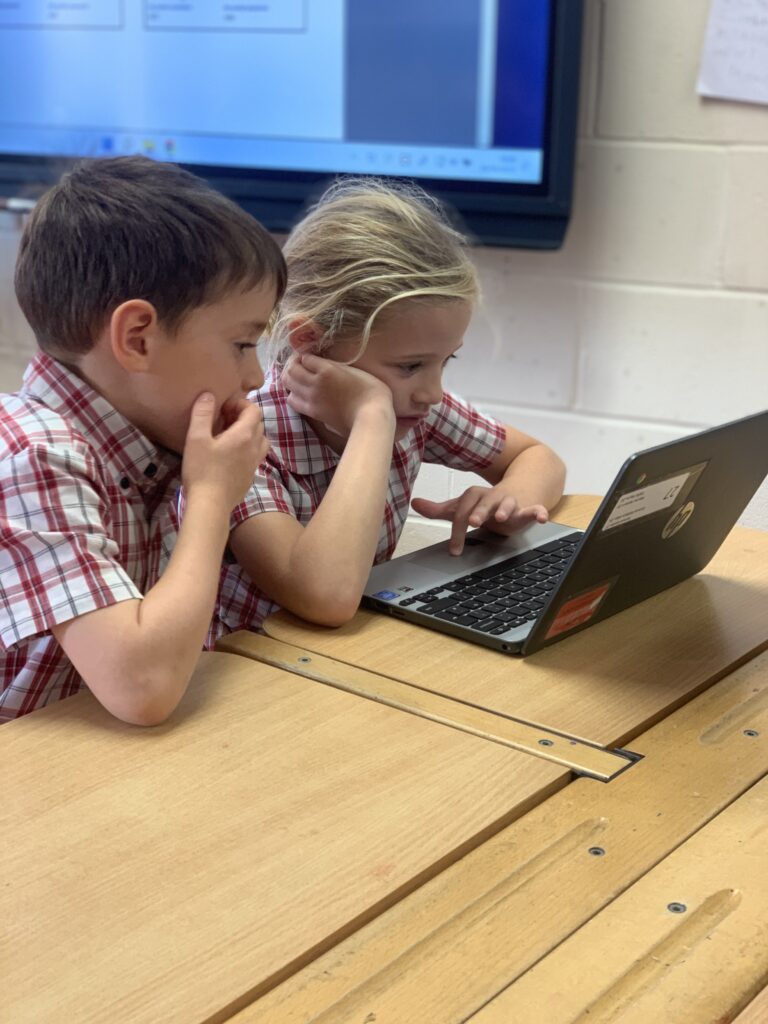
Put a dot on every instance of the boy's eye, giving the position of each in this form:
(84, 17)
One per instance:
(451, 356)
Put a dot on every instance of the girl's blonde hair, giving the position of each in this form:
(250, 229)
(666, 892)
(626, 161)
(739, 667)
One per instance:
(362, 247)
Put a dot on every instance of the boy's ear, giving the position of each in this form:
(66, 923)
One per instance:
(304, 335)
(132, 328)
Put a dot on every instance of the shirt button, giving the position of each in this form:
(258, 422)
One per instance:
(125, 483)
(150, 470)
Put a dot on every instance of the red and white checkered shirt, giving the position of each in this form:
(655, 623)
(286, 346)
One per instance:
(85, 522)
(298, 471)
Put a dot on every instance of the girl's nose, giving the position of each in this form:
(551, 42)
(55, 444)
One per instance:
(430, 392)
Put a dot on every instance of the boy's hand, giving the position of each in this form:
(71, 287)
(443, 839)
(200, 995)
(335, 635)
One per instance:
(226, 462)
(331, 392)
(492, 507)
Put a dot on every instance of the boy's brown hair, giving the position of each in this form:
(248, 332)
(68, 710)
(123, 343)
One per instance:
(131, 228)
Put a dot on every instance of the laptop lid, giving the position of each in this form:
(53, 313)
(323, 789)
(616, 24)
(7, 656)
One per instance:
(666, 514)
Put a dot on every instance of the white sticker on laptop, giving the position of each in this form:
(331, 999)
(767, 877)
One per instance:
(645, 501)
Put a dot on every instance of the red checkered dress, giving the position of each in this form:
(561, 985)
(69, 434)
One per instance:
(85, 503)
(298, 472)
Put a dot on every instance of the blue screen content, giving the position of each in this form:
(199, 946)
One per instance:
(456, 90)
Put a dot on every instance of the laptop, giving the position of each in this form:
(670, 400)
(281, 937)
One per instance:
(666, 514)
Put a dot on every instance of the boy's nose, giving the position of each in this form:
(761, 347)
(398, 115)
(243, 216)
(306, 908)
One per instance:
(254, 378)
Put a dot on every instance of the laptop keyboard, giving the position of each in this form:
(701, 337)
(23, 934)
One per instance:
(503, 596)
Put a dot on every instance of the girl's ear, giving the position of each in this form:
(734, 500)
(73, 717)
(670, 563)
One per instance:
(304, 335)
(132, 329)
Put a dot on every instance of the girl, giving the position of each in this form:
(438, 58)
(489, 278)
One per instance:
(380, 293)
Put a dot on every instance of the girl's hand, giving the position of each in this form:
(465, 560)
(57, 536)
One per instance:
(492, 507)
(331, 392)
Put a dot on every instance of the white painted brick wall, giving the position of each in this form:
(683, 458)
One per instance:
(652, 321)
(689, 356)
(649, 65)
(745, 259)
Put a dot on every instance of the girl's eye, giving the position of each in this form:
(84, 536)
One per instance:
(452, 356)
(243, 346)
(415, 367)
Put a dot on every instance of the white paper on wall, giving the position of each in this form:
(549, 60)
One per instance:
(734, 62)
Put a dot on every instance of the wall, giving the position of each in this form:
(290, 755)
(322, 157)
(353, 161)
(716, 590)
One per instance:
(652, 321)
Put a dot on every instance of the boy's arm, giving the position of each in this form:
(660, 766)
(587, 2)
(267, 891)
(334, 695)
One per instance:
(137, 656)
(526, 480)
(318, 571)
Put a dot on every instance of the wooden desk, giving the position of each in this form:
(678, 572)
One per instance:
(677, 676)
(605, 684)
(173, 874)
(756, 1012)
(686, 824)
(687, 943)
(285, 851)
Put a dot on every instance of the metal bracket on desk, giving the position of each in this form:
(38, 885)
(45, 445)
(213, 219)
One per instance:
(631, 757)
(585, 759)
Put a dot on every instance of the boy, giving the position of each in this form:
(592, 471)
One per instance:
(147, 292)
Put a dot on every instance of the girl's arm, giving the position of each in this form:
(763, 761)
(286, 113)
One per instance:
(526, 471)
(318, 571)
(526, 478)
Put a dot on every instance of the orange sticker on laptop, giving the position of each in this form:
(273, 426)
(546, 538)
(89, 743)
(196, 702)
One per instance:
(578, 610)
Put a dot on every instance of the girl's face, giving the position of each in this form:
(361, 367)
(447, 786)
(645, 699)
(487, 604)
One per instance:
(408, 351)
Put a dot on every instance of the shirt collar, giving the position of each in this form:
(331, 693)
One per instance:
(129, 455)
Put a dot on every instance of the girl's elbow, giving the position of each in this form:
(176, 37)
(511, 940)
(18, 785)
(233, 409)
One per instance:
(561, 473)
(146, 703)
(332, 610)
(144, 715)
(557, 473)
(341, 615)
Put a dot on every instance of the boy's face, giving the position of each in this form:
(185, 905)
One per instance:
(408, 351)
(213, 350)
